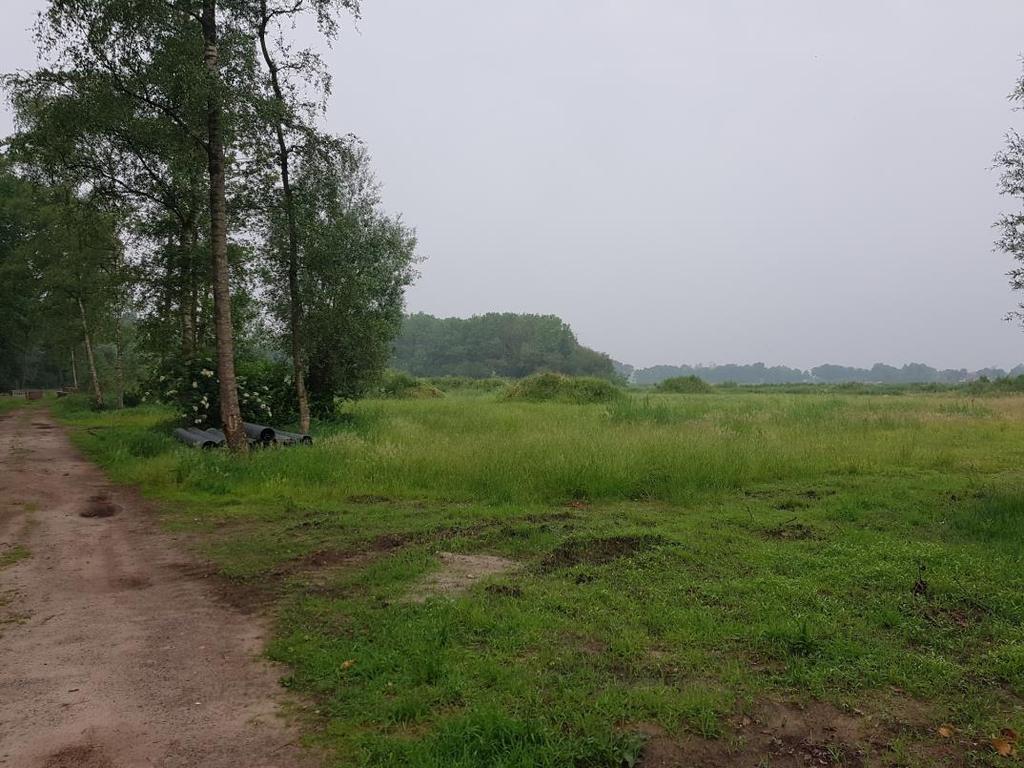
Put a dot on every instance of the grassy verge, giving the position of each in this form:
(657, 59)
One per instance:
(8, 404)
(680, 561)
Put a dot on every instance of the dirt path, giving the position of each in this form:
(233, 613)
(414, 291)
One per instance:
(114, 653)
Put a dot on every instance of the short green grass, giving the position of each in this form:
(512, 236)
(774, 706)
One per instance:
(8, 404)
(11, 555)
(775, 541)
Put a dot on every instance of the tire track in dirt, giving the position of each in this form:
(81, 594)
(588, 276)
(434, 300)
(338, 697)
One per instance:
(111, 654)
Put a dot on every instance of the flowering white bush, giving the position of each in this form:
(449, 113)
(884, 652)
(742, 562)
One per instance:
(194, 390)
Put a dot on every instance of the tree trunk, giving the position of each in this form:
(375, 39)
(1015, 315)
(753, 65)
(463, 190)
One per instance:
(230, 413)
(96, 391)
(119, 361)
(193, 289)
(187, 298)
(74, 369)
(294, 295)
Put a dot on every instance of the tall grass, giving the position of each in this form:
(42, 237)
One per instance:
(653, 447)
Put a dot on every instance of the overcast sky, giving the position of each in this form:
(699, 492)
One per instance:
(793, 181)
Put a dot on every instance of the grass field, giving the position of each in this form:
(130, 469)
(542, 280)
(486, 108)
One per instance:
(682, 572)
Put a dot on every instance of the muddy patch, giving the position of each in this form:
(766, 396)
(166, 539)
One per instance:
(80, 756)
(457, 574)
(598, 551)
(329, 558)
(134, 582)
(99, 505)
(369, 498)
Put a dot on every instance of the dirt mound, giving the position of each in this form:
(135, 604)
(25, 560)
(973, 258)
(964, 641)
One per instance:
(598, 550)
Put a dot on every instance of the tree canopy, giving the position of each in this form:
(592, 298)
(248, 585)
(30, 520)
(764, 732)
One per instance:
(172, 195)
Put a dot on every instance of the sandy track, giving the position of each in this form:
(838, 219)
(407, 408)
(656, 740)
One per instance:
(114, 651)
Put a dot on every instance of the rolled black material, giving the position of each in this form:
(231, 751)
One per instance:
(259, 432)
(290, 438)
(213, 434)
(197, 438)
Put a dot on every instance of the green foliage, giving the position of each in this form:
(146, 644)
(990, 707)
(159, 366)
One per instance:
(56, 250)
(684, 385)
(119, 114)
(193, 390)
(1010, 162)
(357, 262)
(494, 345)
(555, 388)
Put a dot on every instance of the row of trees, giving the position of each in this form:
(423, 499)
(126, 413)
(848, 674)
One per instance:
(169, 177)
(759, 373)
(496, 344)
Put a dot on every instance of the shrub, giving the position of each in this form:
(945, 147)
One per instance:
(684, 385)
(401, 386)
(554, 387)
(984, 386)
(467, 384)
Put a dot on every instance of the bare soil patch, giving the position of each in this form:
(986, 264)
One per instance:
(597, 551)
(790, 735)
(369, 498)
(457, 574)
(324, 559)
(790, 531)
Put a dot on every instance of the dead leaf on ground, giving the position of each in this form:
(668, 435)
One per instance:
(347, 664)
(1003, 747)
(946, 730)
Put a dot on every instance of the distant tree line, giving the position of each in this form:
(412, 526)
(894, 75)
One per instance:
(759, 373)
(496, 344)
